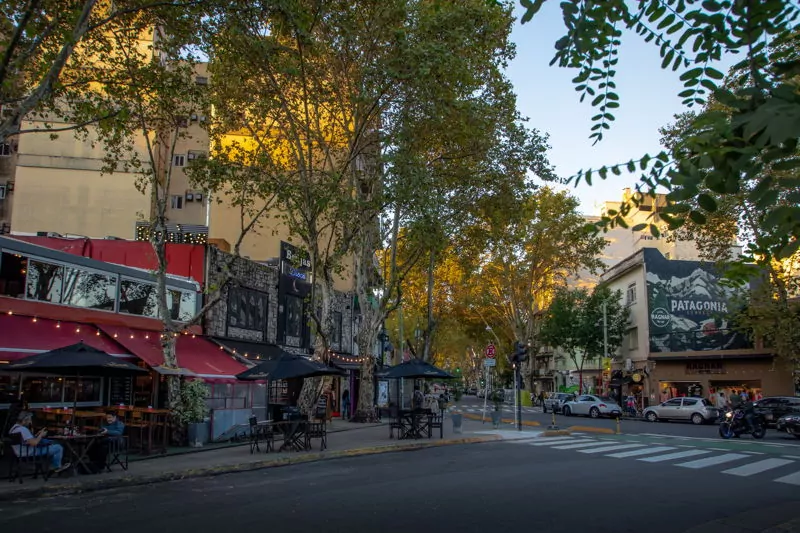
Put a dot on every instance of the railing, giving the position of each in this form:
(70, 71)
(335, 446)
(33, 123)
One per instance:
(700, 341)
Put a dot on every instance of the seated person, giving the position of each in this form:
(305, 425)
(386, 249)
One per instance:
(37, 445)
(113, 428)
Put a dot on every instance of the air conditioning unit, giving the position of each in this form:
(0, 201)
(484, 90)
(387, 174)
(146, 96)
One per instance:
(192, 156)
(48, 234)
(189, 197)
(10, 186)
(202, 118)
(198, 197)
(628, 365)
(193, 117)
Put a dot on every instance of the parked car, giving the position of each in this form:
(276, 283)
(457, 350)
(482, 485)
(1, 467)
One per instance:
(556, 401)
(776, 407)
(472, 391)
(698, 410)
(789, 424)
(594, 406)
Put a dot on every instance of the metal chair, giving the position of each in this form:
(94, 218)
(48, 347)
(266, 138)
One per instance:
(26, 456)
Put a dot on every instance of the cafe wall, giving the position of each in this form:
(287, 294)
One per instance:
(248, 308)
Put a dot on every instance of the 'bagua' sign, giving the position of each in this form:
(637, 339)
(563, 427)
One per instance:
(689, 309)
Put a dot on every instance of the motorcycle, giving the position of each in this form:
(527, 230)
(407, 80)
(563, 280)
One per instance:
(733, 425)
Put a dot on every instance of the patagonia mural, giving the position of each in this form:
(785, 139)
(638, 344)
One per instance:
(688, 306)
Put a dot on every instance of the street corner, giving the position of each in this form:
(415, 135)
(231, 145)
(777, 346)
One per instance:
(507, 434)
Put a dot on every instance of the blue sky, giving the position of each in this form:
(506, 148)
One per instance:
(545, 94)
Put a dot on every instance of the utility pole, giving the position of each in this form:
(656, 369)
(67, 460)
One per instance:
(605, 336)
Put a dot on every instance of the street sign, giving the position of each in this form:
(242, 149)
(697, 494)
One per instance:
(490, 351)
(489, 362)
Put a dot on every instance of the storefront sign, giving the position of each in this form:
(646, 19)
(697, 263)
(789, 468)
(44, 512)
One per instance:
(637, 378)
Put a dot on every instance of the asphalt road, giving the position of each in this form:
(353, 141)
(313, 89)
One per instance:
(504, 486)
(628, 426)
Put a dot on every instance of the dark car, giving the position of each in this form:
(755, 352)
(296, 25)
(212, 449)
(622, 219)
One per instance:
(556, 401)
(789, 424)
(775, 407)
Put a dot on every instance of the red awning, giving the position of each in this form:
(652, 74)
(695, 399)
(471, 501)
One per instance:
(146, 345)
(197, 355)
(21, 336)
(207, 359)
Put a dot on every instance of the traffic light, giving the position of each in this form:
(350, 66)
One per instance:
(520, 353)
(458, 370)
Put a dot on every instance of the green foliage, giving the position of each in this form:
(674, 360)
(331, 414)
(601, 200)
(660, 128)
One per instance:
(192, 406)
(574, 323)
(728, 151)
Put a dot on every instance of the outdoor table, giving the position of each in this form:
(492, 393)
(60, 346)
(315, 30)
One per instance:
(412, 423)
(76, 449)
(152, 418)
(294, 435)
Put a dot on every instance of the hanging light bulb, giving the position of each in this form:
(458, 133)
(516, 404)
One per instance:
(78, 329)
(131, 335)
(147, 336)
(10, 312)
(58, 324)
(97, 332)
(35, 319)
(115, 335)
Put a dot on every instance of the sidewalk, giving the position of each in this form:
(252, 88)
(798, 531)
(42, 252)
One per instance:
(344, 440)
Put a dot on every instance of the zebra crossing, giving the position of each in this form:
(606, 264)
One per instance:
(739, 464)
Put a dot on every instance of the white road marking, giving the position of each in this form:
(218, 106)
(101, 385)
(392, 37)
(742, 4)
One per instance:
(757, 467)
(715, 460)
(676, 455)
(791, 479)
(634, 453)
(612, 448)
(586, 444)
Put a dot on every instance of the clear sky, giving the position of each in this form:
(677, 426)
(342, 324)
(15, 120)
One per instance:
(546, 95)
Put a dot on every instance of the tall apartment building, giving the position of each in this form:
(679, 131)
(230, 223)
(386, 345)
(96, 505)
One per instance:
(8, 165)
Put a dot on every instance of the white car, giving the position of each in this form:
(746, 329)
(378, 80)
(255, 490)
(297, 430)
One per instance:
(593, 406)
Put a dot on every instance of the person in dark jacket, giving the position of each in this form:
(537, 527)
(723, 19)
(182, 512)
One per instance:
(113, 429)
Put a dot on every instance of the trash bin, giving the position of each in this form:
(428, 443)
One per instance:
(457, 419)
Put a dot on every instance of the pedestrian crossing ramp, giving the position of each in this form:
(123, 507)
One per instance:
(744, 464)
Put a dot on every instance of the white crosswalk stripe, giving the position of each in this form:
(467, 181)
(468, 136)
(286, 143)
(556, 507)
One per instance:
(613, 448)
(757, 468)
(636, 453)
(716, 460)
(676, 455)
(753, 463)
(791, 479)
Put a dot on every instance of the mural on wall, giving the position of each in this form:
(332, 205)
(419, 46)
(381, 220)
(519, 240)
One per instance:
(688, 307)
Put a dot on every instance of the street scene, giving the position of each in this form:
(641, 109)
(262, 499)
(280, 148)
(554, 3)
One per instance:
(399, 266)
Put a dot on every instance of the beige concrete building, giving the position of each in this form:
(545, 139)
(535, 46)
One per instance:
(8, 166)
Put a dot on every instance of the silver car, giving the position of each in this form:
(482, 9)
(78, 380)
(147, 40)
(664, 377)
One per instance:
(594, 406)
(698, 410)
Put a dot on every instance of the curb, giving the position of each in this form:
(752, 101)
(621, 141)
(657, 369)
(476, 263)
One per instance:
(591, 429)
(133, 481)
(529, 423)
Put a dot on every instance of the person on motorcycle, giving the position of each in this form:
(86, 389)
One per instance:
(747, 410)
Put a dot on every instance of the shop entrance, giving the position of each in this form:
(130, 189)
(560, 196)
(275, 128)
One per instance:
(752, 388)
(679, 389)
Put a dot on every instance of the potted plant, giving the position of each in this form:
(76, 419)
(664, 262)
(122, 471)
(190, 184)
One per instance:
(497, 398)
(192, 411)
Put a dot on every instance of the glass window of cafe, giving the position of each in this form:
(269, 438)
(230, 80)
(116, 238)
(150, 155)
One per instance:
(48, 391)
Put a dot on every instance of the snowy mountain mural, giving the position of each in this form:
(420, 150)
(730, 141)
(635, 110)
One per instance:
(688, 307)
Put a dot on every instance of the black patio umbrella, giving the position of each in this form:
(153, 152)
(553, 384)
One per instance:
(415, 369)
(75, 361)
(288, 366)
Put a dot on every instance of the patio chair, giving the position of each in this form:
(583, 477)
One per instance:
(317, 430)
(395, 423)
(117, 452)
(255, 435)
(25, 459)
(436, 421)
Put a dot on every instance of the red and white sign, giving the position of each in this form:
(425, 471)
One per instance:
(490, 351)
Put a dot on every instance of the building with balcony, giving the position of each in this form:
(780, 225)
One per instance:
(681, 340)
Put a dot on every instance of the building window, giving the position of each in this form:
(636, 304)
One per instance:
(633, 339)
(89, 290)
(44, 282)
(179, 160)
(2, 192)
(247, 309)
(294, 316)
(336, 338)
(630, 294)
(176, 201)
(201, 80)
(5, 150)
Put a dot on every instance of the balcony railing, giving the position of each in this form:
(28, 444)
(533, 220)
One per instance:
(700, 341)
